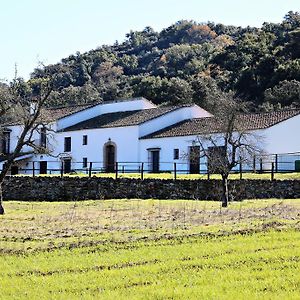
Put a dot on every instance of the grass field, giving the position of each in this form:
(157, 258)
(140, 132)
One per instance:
(252, 176)
(150, 249)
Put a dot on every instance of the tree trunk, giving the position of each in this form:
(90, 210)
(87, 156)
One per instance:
(225, 195)
(1, 201)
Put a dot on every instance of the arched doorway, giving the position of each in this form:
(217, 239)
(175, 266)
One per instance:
(109, 157)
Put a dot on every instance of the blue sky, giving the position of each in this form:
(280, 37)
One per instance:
(49, 30)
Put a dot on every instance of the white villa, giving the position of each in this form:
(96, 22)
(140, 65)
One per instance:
(134, 131)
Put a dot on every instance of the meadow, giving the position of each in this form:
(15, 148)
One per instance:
(233, 176)
(150, 249)
(180, 176)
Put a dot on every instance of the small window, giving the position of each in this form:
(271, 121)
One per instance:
(68, 144)
(176, 153)
(84, 162)
(84, 140)
(6, 142)
(43, 140)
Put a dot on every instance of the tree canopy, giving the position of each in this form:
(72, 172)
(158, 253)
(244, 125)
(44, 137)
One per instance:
(187, 62)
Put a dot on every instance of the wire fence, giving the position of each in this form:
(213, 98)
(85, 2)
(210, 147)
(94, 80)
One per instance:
(272, 163)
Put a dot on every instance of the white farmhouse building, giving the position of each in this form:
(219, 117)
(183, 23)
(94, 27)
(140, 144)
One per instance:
(135, 131)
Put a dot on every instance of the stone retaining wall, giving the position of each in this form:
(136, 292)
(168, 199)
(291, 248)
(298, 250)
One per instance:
(75, 188)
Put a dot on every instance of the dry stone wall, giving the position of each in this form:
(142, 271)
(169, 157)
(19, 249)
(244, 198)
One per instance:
(78, 188)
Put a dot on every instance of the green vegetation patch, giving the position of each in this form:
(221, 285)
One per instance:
(151, 249)
(236, 176)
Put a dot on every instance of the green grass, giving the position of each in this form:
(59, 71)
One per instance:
(150, 249)
(252, 176)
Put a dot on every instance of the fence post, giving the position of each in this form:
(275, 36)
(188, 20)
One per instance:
(272, 171)
(276, 163)
(33, 169)
(90, 169)
(142, 171)
(175, 171)
(208, 175)
(254, 164)
(116, 170)
(123, 169)
(241, 170)
(62, 169)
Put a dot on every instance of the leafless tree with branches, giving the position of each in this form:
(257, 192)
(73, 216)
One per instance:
(229, 142)
(21, 104)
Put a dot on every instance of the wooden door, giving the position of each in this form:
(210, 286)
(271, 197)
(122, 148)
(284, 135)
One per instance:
(110, 159)
(67, 166)
(43, 167)
(194, 159)
(155, 161)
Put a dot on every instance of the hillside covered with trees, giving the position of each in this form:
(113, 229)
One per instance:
(188, 62)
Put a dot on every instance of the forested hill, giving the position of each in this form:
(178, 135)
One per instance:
(188, 62)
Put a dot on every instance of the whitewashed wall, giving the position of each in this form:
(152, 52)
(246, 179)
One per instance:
(167, 146)
(280, 138)
(26, 164)
(283, 138)
(125, 138)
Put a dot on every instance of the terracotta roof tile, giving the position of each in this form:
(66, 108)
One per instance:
(55, 113)
(124, 118)
(52, 114)
(213, 125)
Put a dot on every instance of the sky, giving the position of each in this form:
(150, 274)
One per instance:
(34, 31)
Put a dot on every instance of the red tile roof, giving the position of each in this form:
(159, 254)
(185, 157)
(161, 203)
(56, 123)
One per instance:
(209, 125)
(55, 113)
(123, 118)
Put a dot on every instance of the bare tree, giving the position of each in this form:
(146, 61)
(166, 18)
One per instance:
(229, 140)
(21, 104)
